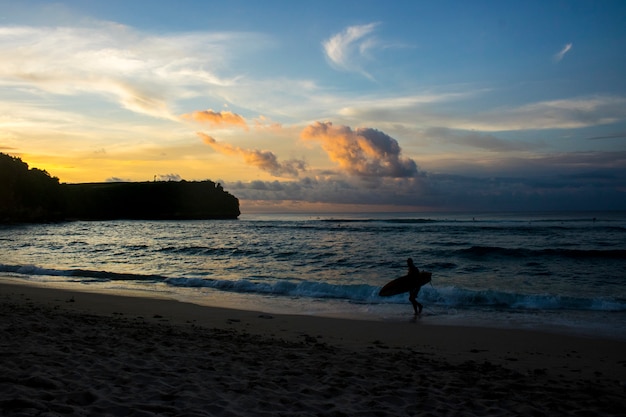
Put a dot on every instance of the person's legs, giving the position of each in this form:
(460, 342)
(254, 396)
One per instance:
(413, 299)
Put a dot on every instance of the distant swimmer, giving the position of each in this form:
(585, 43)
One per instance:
(411, 282)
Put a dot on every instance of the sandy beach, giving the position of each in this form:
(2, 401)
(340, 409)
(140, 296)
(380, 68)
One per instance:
(75, 353)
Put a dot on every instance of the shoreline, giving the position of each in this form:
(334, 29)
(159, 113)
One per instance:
(348, 332)
(587, 324)
(283, 363)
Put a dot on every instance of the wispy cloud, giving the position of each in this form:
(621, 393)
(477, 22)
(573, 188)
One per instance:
(142, 72)
(346, 50)
(479, 140)
(364, 152)
(559, 55)
(572, 113)
(618, 135)
(262, 159)
(217, 119)
(395, 110)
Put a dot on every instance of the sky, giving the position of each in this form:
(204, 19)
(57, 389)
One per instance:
(327, 105)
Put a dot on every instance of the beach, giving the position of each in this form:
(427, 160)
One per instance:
(77, 353)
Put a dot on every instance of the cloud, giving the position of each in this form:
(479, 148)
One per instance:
(345, 50)
(533, 167)
(220, 118)
(364, 152)
(397, 192)
(167, 177)
(618, 135)
(571, 113)
(559, 56)
(263, 124)
(479, 140)
(264, 160)
(367, 107)
(565, 182)
(425, 110)
(116, 179)
(141, 72)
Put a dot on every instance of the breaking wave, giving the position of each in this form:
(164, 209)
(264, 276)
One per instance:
(450, 297)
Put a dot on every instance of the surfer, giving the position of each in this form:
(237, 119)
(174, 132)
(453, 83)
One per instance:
(415, 288)
(411, 283)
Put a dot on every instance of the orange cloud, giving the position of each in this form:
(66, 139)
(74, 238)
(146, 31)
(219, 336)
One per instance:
(263, 124)
(364, 152)
(214, 118)
(264, 160)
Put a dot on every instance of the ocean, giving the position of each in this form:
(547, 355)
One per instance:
(557, 272)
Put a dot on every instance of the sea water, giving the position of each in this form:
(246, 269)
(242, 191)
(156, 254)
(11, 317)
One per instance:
(562, 272)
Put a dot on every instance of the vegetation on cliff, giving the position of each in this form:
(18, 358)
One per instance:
(32, 195)
(28, 195)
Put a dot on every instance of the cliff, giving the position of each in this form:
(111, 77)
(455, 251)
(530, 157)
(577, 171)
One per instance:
(150, 200)
(32, 195)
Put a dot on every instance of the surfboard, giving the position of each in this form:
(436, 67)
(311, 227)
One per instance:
(405, 284)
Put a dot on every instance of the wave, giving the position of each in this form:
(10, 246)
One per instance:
(447, 297)
(453, 297)
(79, 273)
(459, 297)
(392, 221)
(208, 251)
(307, 289)
(486, 251)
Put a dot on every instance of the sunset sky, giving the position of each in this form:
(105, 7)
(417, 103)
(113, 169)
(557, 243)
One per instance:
(326, 105)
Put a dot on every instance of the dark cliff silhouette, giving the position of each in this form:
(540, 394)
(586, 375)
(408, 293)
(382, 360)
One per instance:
(150, 200)
(28, 195)
(32, 195)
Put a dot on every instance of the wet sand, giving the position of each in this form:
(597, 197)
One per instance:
(75, 353)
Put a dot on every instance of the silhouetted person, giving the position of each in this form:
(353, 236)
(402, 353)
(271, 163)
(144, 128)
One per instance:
(414, 273)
